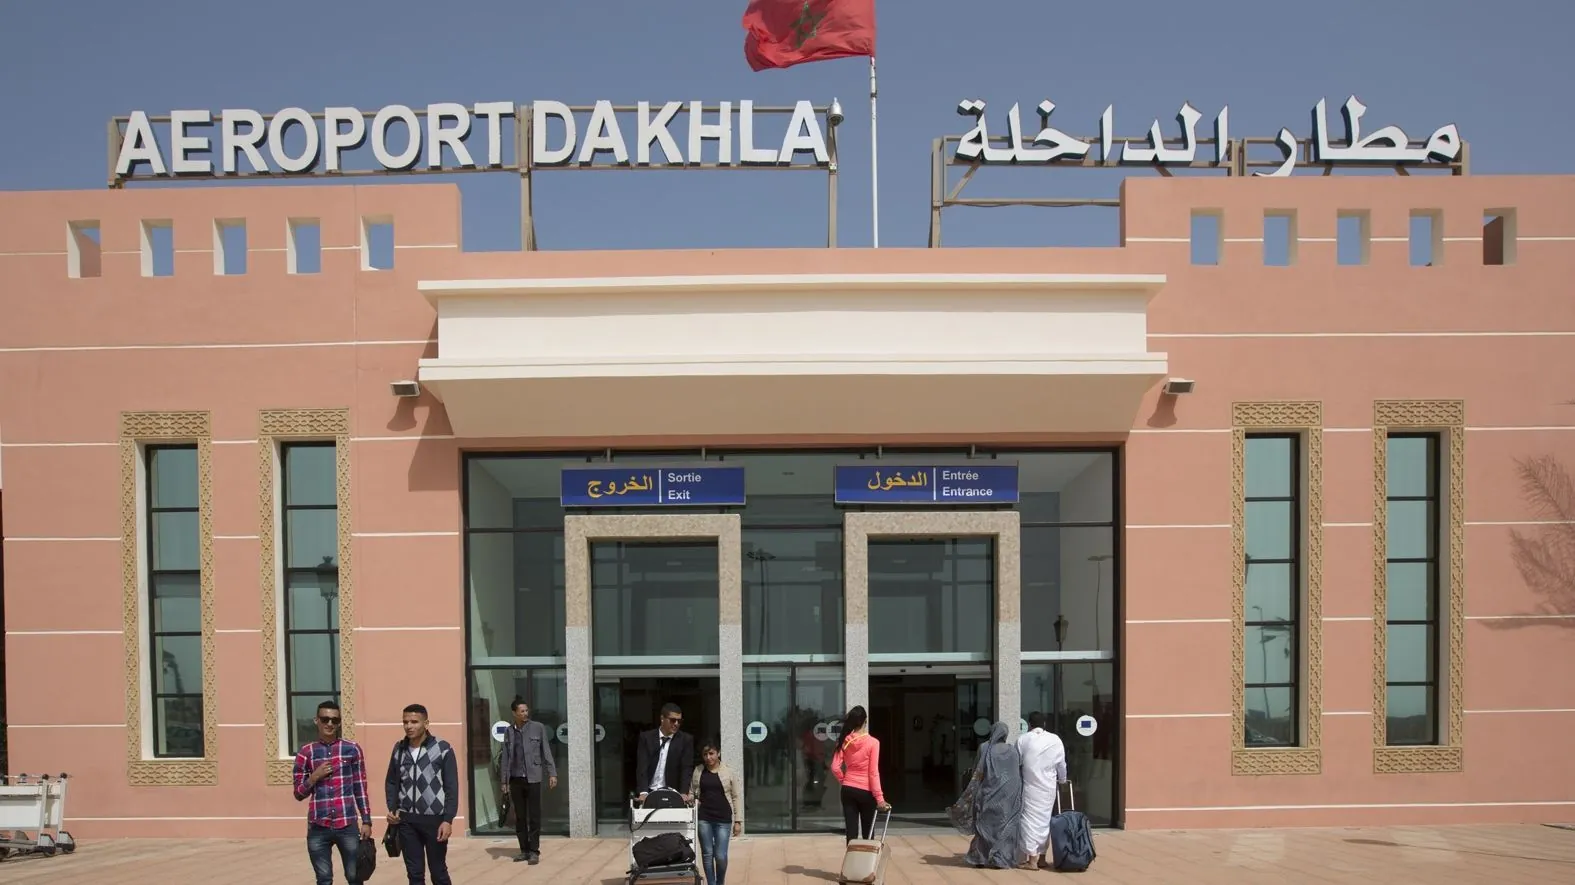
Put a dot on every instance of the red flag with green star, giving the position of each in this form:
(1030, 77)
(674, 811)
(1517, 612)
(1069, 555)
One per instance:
(784, 33)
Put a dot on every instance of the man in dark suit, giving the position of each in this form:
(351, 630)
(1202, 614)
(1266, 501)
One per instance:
(665, 756)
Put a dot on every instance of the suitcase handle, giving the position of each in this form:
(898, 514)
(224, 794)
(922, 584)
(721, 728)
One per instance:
(872, 825)
(1071, 800)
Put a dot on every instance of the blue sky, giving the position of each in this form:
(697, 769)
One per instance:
(1490, 68)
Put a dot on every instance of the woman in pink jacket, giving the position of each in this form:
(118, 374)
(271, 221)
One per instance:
(856, 766)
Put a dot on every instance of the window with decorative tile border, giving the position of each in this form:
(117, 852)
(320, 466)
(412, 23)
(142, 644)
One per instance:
(1277, 599)
(1418, 585)
(306, 576)
(167, 584)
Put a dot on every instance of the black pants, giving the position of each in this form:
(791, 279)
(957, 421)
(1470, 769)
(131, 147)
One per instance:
(858, 813)
(525, 797)
(418, 842)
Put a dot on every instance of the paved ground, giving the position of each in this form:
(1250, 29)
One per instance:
(1503, 855)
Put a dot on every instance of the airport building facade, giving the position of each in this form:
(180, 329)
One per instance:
(1271, 545)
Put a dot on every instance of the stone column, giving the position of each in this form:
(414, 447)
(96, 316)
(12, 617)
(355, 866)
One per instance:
(730, 639)
(856, 614)
(581, 689)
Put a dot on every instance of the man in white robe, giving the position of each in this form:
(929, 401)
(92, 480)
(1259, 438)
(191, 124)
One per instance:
(1044, 770)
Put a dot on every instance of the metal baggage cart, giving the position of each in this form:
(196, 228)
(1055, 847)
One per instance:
(647, 822)
(32, 816)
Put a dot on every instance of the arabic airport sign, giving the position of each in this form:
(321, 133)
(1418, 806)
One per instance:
(666, 486)
(1388, 146)
(993, 483)
(200, 143)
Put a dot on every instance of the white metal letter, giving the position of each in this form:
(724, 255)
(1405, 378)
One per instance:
(541, 155)
(494, 112)
(335, 140)
(748, 154)
(139, 145)
(407, 158)
(721, 132)
(247, 141)
(656, 130)
(437, 135)
(276, 128)
(182, 144)
(803, 134)
(603, 134)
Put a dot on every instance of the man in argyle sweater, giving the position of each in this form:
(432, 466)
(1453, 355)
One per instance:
(423, 798)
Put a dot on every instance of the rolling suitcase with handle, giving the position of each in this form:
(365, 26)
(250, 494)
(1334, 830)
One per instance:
(864, 862)
(1071, 839)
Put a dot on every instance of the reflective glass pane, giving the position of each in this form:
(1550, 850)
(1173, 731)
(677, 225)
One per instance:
(1410, 653)
(176, 604)
(314, 662)
(178, 732)
(1271, 467)
(1068, 586)
(312, 536)
(179, 667)
(1270, 722)
(1411, 530)
(511, 491)
(516, 596)
(1065, 693)
(175, 541)
(819, 704)
(310, 475)
(1269, 529)
(654, 599)
(1064, 486)
(303, 715)
(1413, 714)
(768, 763)
(1269, 591)
(922, 603)
(792, 585)
(492, 694)
(313, 601)
(1270, 653)
(1411, 591)
(790, 489)
(173, 477)
(1410, 467)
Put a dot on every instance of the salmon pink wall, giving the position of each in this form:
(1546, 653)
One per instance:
(76, 352)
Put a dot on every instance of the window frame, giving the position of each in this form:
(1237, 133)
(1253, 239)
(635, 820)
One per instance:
(1295, 626)
(1434, 480)
(286, 572)
(153, 573)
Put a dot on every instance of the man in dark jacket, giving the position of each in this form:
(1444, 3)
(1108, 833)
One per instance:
(527, 757)
(665, 756)
(423, 797)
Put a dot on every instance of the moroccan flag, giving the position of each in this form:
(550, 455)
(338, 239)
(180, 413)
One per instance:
(784, 33)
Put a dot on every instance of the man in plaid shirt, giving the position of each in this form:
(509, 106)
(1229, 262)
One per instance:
(332, 772)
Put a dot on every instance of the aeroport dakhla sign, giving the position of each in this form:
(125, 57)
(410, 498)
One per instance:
(450, 136)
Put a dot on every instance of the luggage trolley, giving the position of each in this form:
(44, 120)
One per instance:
(36, 806)
(670, 816)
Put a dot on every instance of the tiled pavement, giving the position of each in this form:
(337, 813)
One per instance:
(1503, 855)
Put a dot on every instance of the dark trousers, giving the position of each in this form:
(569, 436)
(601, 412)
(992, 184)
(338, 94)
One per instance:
(419, 845)
(525, 797)
(320, 842)
(858, 813)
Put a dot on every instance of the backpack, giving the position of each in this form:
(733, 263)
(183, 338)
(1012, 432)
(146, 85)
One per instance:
(658, 800)
(1071, 842)
(365, 859)
(662, 850)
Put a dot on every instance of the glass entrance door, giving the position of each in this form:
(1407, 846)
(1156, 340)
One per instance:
(792, 717)
(628, 705)
(1066, 692)
(930, 728)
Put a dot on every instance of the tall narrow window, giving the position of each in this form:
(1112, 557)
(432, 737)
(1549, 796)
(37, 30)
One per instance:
(310, 510)
(174, 601)
(1411, 625)
(1273, 599)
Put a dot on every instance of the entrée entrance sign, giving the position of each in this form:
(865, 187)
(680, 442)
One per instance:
(246, 132)
(927, 484)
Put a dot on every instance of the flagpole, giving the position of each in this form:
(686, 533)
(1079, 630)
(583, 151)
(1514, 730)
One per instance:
(874, 163)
